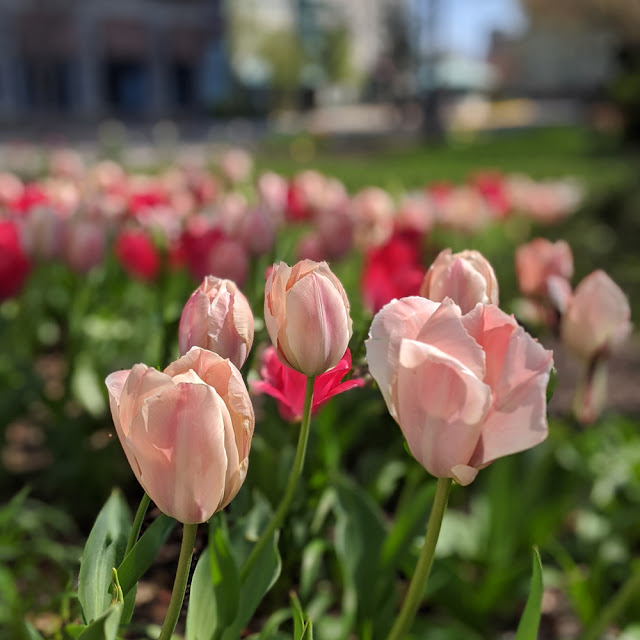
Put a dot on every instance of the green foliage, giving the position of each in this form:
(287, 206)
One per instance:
(104, 550)
(530, 621)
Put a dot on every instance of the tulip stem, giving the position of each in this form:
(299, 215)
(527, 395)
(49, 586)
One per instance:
(416, 588)
(180, 584)
(292, 482)
(616, 606)
(137, 522)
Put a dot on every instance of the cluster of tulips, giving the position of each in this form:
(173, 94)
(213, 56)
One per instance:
(465, 383)
(463, 380)
(216, 221)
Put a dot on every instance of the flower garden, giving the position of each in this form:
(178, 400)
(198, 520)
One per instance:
(382, 395)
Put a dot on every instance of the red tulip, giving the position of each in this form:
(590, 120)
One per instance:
(392, 271)
(14, 263)
(137, 254)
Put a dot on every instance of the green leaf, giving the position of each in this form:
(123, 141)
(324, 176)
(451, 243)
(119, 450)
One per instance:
(271, 626)
(312, 562)
(104, 550)
(359, 537)
(86, 385)
(106, 626)
(302, 627)
(29, 632)
(261, 578)
(144, 552)
(213, 602)
(530, 621)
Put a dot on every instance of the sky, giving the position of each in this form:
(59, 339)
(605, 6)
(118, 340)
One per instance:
(465, 26)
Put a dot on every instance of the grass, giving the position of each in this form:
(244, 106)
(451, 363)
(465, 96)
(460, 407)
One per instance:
(540, 153)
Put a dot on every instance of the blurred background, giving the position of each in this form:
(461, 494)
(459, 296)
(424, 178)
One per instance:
(369, 66)
(143, 143)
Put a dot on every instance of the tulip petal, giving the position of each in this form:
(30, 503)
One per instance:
(313, 337)
(397, 320)
(178, 438)
(441, 406)
(445, 331)
(193, 322)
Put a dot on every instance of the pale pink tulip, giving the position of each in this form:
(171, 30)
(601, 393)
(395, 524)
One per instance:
(597, 319)
(186, 432)
(306, 312)
(466, 277)
(217, 317)
(372, 211)
(539, 260)
(464, 389)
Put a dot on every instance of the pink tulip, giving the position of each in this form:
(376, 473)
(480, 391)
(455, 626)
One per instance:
(186, 432)
(288, 386)
(217, 317)
(539, 260)
(306, 312)
(465, 389)
(597, 319)
(466, 277)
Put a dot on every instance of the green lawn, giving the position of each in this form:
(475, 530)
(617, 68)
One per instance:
(540, 153)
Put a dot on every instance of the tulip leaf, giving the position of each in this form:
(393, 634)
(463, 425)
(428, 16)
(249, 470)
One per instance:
(213, 603)
(302, 626)
(106, 626)
(144, 552)
(103, 551)
(261, 578)
(530, 621)
(29, 632)
(359, 539)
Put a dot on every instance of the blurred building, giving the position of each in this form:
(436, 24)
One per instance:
(554, 59)
(94, 58)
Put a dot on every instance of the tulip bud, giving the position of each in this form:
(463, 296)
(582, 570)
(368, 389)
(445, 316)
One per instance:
(539, 260)
(217, 317)
(306, 312)
(597, 317)
(466, 277)
(186, 432)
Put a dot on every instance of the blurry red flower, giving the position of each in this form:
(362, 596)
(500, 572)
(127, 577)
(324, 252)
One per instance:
(14, 264)
(287, 386)
(392, 271)
(137, 254)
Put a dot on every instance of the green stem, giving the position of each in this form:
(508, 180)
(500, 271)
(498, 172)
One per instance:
(180, 584)
(419, 580)
(137, 522)
(292, 482)
(616, 606)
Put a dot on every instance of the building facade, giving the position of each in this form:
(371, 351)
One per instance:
(91, 59)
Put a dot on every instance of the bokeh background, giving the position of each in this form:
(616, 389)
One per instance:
(110, 108)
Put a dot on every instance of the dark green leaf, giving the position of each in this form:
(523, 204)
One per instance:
(530, 621)
(104, 550)
(359, 537)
